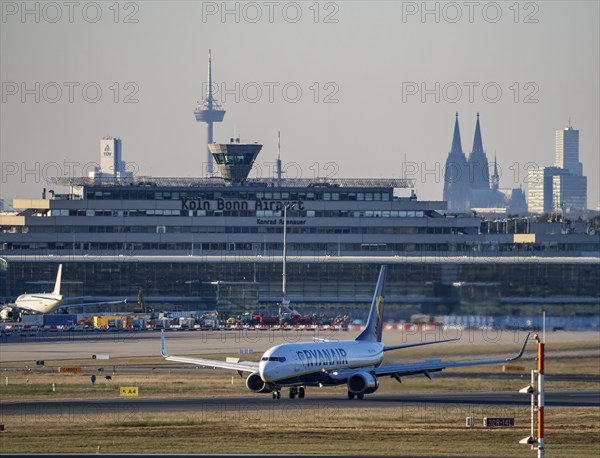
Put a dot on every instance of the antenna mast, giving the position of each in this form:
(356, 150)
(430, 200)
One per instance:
(279, 158)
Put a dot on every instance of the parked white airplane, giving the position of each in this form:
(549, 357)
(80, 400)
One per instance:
(43, 302)
(356, 363)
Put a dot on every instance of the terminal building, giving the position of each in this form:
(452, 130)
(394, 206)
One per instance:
(218, 242)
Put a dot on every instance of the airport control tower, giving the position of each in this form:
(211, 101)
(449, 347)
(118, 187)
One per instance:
(209, 111)
(235, 159)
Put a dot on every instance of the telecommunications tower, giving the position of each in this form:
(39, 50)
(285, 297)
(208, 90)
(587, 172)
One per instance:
(209, 111)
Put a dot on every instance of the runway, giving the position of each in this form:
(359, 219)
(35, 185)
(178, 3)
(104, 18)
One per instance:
(250, 406)
(77, 345)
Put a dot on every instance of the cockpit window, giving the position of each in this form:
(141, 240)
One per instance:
(280, 359)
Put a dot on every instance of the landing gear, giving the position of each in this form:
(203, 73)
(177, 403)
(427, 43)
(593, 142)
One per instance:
(297, 391)
(277, 392)
(358, 396)
(350, 395)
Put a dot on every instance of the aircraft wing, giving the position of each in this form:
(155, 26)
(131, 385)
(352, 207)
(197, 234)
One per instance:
(70, 304)
(240, 366)
(397, 347)
(423, 367)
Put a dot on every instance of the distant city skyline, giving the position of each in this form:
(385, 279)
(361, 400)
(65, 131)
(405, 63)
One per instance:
(562, 187)
(372, 104)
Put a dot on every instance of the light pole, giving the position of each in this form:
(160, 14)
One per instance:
(284, 300)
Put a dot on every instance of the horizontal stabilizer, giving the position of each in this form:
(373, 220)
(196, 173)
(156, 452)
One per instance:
(319, 339)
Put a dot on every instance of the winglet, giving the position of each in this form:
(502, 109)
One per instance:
(522, 349)
(163, 346)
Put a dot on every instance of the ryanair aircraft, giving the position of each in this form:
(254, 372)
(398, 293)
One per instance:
(356, 363)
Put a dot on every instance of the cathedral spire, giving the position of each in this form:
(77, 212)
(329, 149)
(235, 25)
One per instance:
(477, 142)
(456, 144)
(456, 175)
(495, 176)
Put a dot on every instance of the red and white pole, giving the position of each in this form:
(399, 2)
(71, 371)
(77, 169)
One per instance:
(540, 416)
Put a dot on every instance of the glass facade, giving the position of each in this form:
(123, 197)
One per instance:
(432, 287)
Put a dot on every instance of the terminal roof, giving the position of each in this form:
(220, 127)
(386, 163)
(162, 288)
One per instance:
(251, 182)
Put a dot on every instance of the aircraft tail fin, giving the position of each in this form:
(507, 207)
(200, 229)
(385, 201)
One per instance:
(163, 345)
(58, 277)
(374, 328)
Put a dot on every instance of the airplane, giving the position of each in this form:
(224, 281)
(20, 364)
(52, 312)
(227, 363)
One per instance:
(42, 303)
(356, 363)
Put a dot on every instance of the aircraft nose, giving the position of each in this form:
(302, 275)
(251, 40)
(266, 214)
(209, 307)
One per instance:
(266, 372)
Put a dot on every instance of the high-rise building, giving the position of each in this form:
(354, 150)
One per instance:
(562, 187)
(110, 155)
(555, 190)
(569, 192)
(567, 151)
(112, 164)
(539, 189)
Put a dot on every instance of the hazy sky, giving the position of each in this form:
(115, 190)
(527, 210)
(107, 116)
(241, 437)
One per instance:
(379, 85)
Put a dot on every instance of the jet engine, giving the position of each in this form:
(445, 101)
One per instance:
(363, 383)
(10, 313)
(255, 383)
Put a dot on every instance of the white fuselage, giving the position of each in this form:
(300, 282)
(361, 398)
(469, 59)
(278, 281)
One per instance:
(39, 303)
(306, 363)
